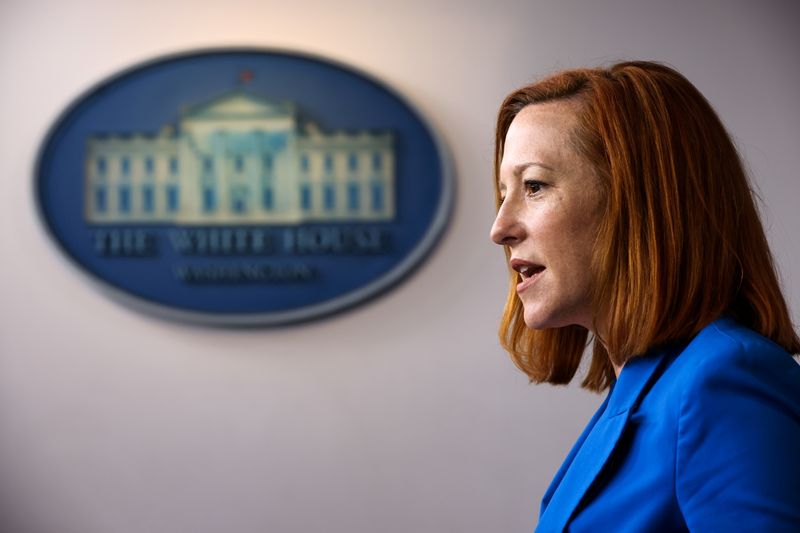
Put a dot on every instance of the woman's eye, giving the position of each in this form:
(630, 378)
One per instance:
(533, 187)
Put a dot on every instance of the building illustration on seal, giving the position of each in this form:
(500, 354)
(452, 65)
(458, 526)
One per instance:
(240, 159)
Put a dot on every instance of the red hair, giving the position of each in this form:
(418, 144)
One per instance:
(680, 242)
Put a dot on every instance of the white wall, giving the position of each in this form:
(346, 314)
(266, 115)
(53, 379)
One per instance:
(400, 416)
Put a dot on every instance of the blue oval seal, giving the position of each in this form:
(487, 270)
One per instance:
(243, 186)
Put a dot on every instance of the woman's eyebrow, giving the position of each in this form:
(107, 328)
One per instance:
(522, 167)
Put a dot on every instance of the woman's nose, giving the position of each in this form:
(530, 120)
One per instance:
(506, 228)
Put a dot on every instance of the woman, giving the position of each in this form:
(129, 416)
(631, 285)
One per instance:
(625, 213)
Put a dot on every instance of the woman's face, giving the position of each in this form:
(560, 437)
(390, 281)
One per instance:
(552, 204)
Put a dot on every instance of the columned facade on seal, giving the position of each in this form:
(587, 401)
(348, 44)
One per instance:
(240, 159)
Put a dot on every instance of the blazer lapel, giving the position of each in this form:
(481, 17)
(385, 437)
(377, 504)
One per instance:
(548, 495)
(595, 446)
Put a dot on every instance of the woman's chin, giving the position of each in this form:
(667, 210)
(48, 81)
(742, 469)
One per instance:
(538, 320)
(535, 320)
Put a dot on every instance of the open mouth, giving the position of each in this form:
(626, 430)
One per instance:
(528, 271)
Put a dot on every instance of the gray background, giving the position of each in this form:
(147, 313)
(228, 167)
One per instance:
(403, 415)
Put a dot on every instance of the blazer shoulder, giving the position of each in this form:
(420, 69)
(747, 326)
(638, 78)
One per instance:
(738, 432)
(725, 347)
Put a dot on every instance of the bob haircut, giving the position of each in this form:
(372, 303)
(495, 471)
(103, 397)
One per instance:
(680, 241)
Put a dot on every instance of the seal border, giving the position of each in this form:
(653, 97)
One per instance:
(401, 270)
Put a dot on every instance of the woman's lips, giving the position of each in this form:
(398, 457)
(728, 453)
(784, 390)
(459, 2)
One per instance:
(528, 272)
(529, 278)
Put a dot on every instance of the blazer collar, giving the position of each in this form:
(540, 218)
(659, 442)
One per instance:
(595, 446)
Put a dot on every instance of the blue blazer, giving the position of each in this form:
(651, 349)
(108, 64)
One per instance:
(703, 437)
